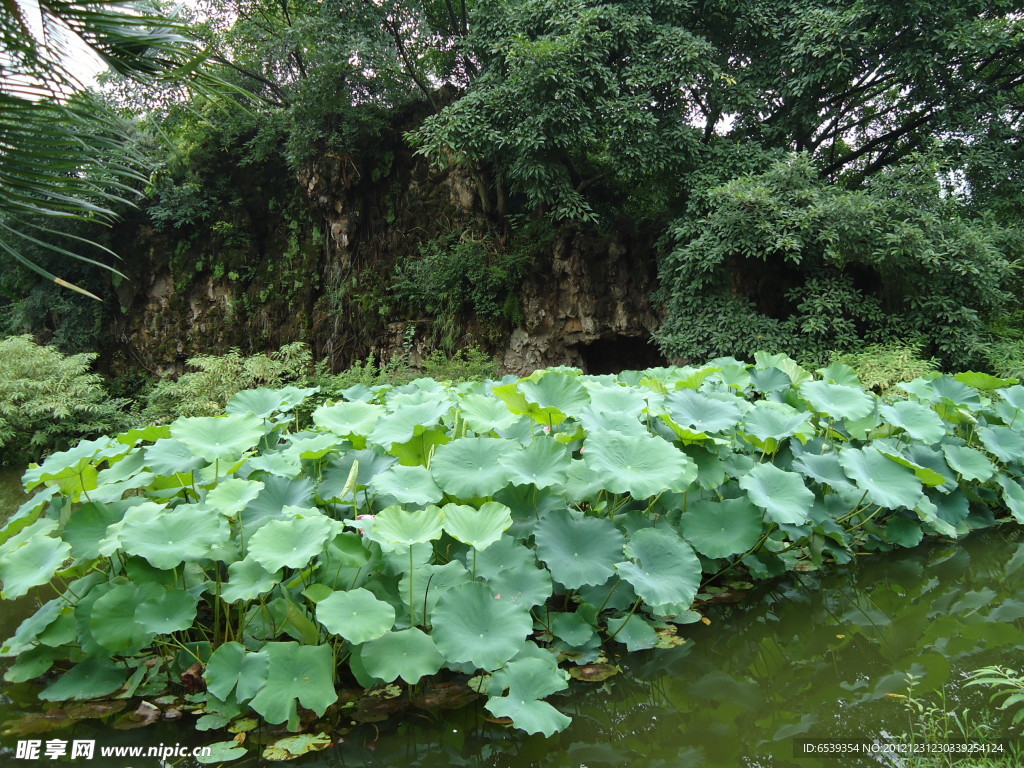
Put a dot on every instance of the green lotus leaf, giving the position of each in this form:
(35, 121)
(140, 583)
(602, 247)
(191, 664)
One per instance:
(233, 495)
(419, 450)
(768, 423)
(840, 373)
(169, 538)
(356, 615)
(640, 466)
(277, 493)
(24, 637)
(472, 624)
(247, 580)
(310, 447)
(781, 494)
(429, 582)
(32, 663)
(408, 421)
(124, 468)
(291, 543)
(886, 483)
(825, 469)
(168, 456)
(1004, 443)
(920, 421)
(221, 752)
(169, 611)
(276, 463)
(149, 434)
(633, 631)
(971, 463)
(112, 619)
(770, 379)
(296, 674)
(477, 527)
(617, 399)
(409, 654)
(903, 531)
(30, 563)
(578, 551)
(555, 391)
(504, 555)
(1013, 495)
(663, 568)
(837, 401)
(337, 475)
(703, 413)
(265, 402)
(292, 747)
(73, 469)
(230, 666)
(471, 467)
(89, 679)
(572, 628)
(607, 421)
(983, 381)
(395, 527)
(407, 485)
(720, 529)
(926, 475)
(797, 374)
(542, 463)
(529, 680)
(484, 414)
(347, 419)
(526, 586)
(1014, 396)
(219, 438)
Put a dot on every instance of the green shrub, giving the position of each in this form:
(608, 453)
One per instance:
(49, 400)
(217, 378)
(881, 366)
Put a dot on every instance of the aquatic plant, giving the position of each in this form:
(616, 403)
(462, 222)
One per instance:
(502, 533)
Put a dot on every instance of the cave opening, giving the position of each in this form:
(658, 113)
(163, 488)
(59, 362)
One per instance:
(620, 353)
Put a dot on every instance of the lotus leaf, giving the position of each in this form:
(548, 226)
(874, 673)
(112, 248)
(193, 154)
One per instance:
(971, 463)
(221, 752)
(73, 469)
(168, 456)
(720, 529)
(419, 450)
(247, 580)
(837, 400)
(702, 412)
(903, 531)
(31, 563)
(542, 463)
(477, 527)
(292, 747)
(920, 422)
(473, 624)
(232, 668)
(1004, 443)
(1013, 495)
(504, 555)
(797, 374)
(218, 438)
(296, 674)
(168, 538)
(276, 463)
(348, 419)
(768, 423)
(471, 467)
(28, 630)
(886, 483)
(337, 475)
(527, 586)
(825, 469)
(356, 615)
(403, 424)
(617, 399)
(770, 379)
(484, 414)
(310, 447)
(664, 569)
(265, 402)
(407, 485)
(89, 679)
(233, 495)
(292, 543)
(395, 527)
(633, 631)
(529, 680)
(409, 654)
(640, 466)
(112, 619)
(556, 393)
(168, 611)
(572, 628)
(578, 551)
(781, 494)
(429, 582)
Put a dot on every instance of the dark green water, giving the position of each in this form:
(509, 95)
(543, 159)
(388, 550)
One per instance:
(809, 656)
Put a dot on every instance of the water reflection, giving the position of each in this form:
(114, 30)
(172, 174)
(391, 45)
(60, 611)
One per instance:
(810, 656)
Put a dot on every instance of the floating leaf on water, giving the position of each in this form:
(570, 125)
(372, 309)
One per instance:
(593, 673)
(222, 752)
(667, 638)
(528, 681)
(89, 679)
(243, 725)
(292, 747)
(297, 674)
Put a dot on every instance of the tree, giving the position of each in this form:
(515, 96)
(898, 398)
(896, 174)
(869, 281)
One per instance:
(63, 155)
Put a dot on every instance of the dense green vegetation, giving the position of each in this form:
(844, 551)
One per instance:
(504, 533)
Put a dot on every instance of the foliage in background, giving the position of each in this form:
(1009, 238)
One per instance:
(881, 367)
(506, 531)
(784, 260)
(48, 401)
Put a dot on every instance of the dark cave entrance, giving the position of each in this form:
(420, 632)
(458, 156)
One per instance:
(620, 353)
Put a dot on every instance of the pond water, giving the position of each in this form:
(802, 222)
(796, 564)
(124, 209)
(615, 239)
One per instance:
(808, 656)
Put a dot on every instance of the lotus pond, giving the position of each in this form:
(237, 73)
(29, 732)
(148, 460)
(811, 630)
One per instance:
(407, 550)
